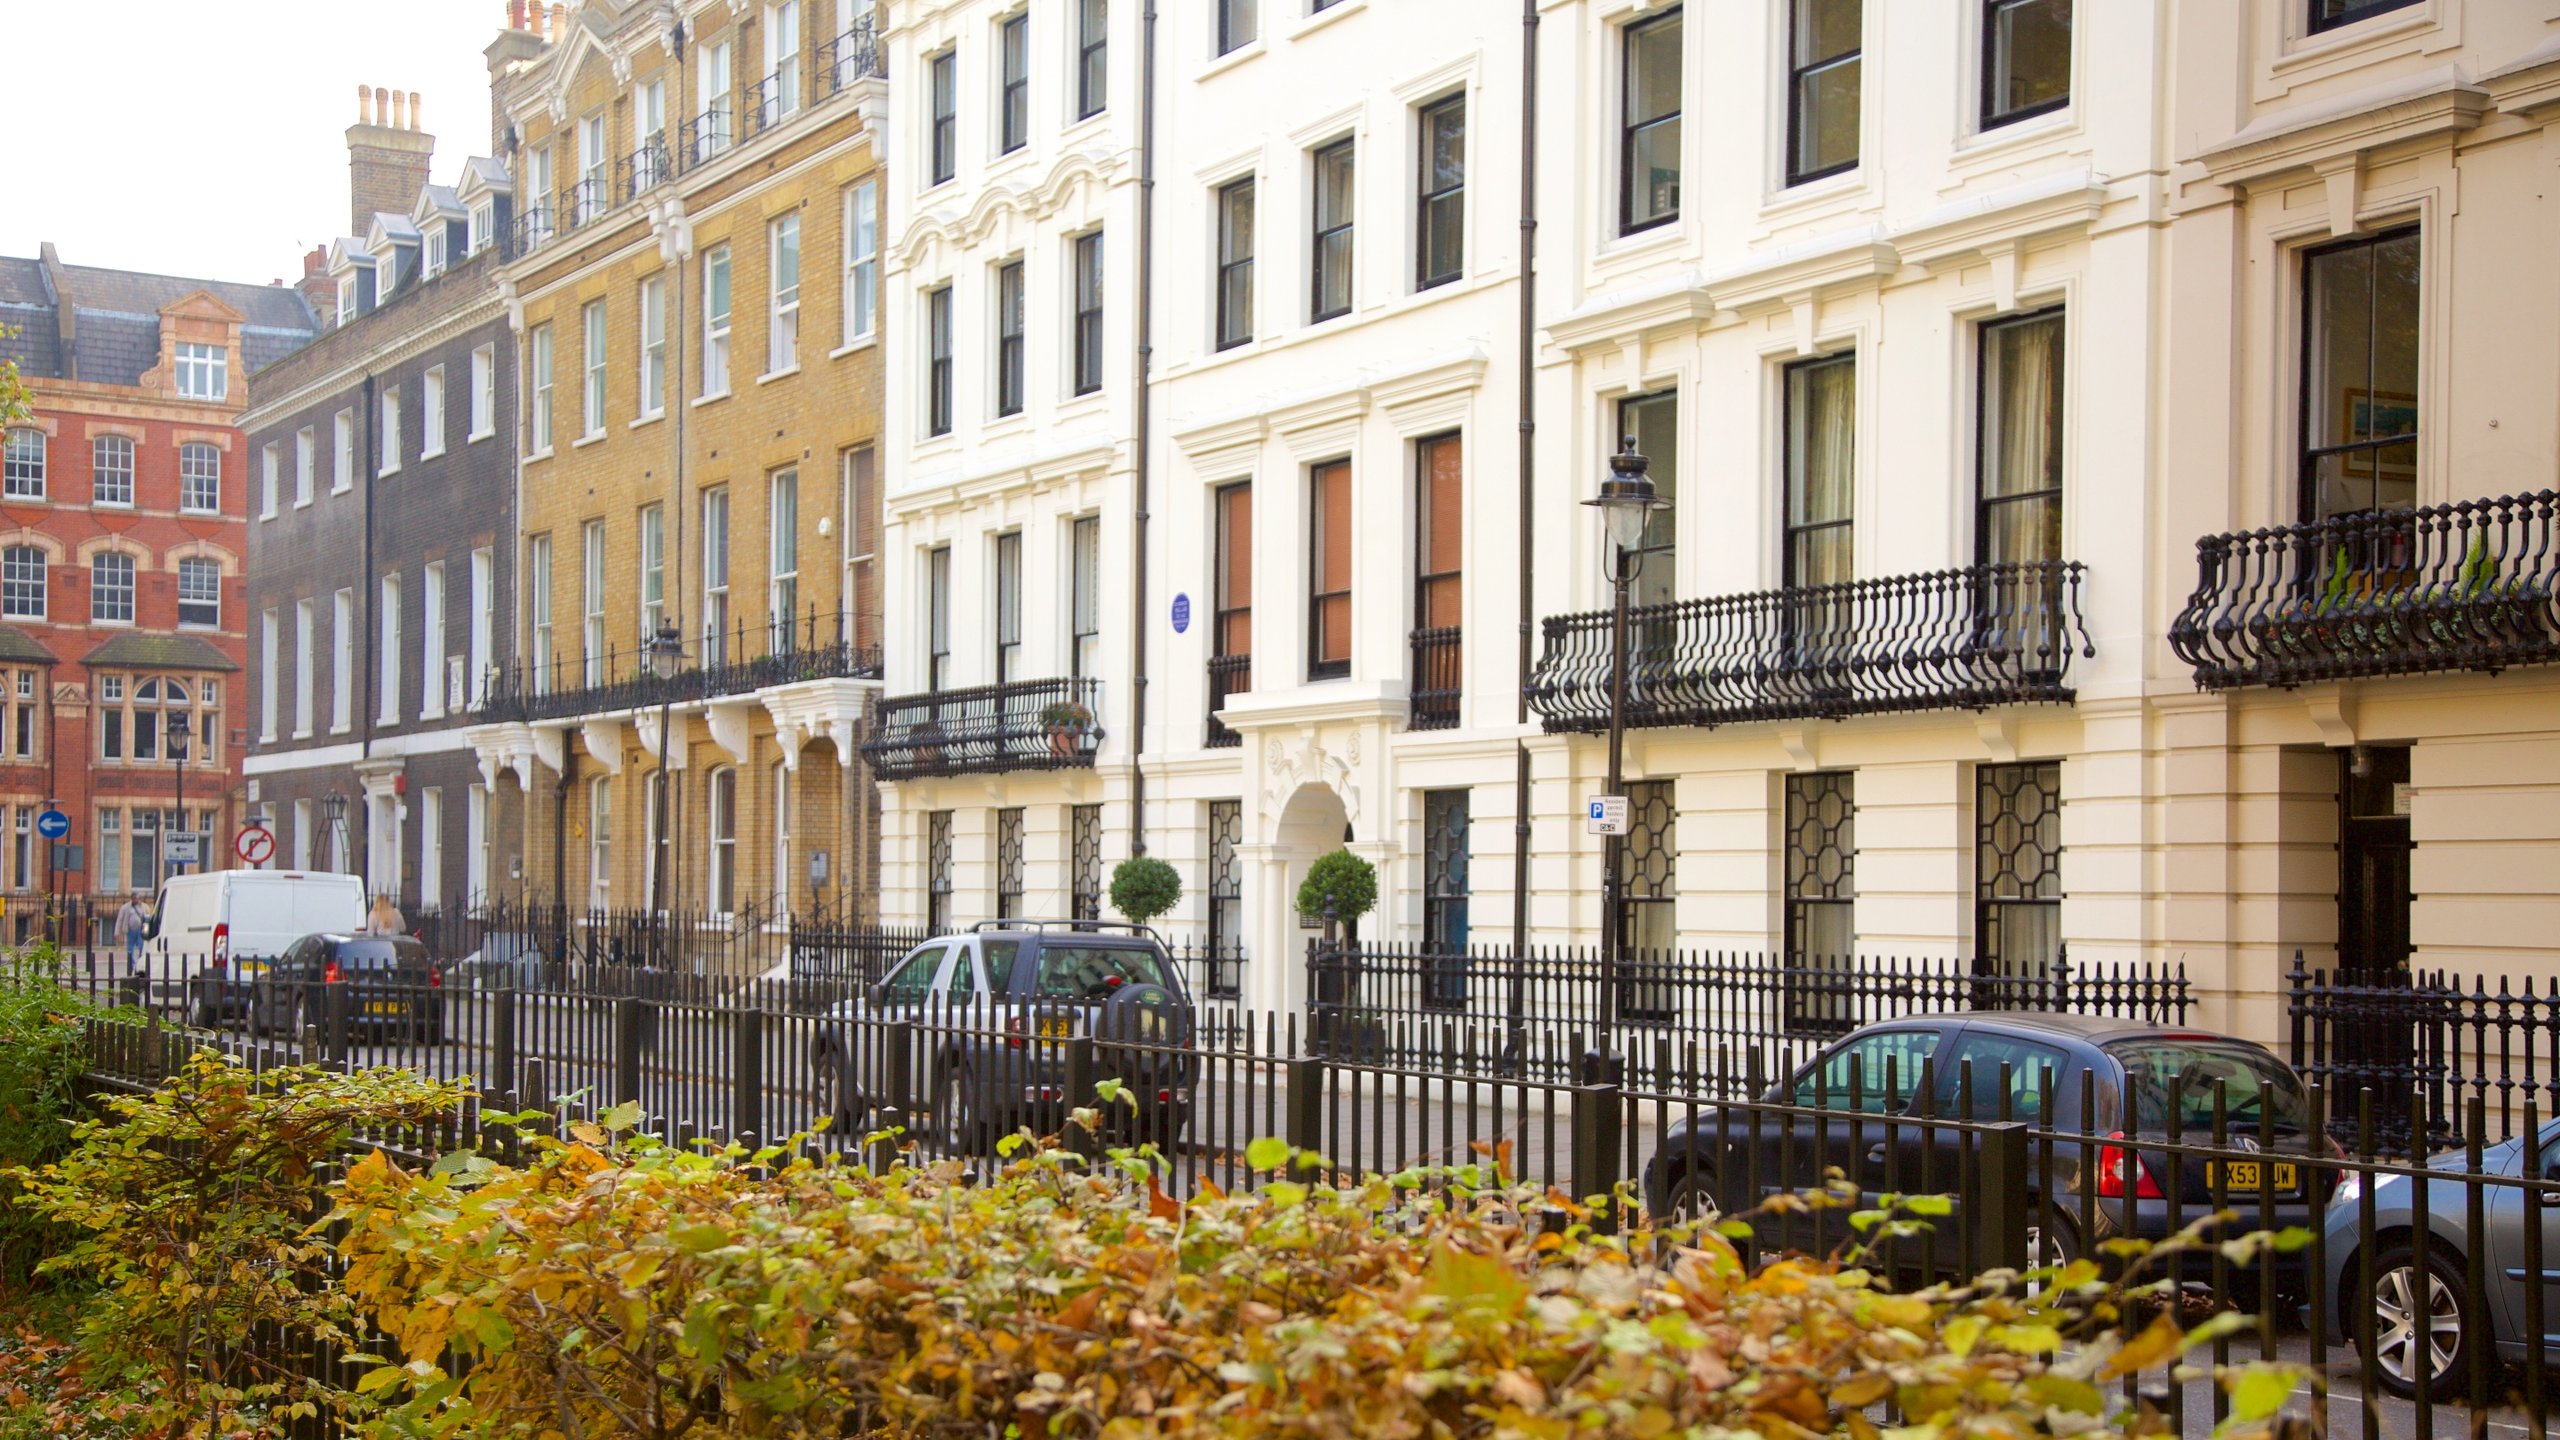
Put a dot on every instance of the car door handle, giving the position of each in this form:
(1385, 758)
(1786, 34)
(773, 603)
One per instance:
(1875, 1153)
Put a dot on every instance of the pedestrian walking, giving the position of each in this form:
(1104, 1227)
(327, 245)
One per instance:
(132, 923)
(384, 918)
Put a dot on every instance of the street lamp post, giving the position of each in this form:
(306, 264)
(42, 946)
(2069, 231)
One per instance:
(663, 654)
(178, 736)
(1627, 504)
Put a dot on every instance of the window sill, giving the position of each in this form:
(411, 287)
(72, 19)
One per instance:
(340, 729)
(212, 514)
(476, 436)
(435, 454)
(266, 514)
(583, 441)
(1250, 50)
(651, 418)
(2003, 142)
(1327, 16)
(268, 738)
(298, 735)
(528, 458)
(770, 376)
(386, 472)
(303, 503)
(701, 400)
(1792, 200)
(858, 342)
(110, 504)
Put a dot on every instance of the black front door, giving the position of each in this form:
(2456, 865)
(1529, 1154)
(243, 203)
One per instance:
(2375, 1040)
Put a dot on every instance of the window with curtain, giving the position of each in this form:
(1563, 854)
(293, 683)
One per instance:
(2026, 59)
(2018, 504)
(2017, 869)
(1823, 83)
(1329, 291)
(721, 797)
(1821, 404)
(1084, 618)
(1008, 309)
(200, 592)
(1093, 57)
(1235, 263)
(937, 309)
(1440, 252)
(1088, 317)
(937, 610)
(1013, 104)
(1008, 616)
(715, 576)
(1649, 125)
(942, 81)
(1329, 571)
(1231, 635)
(1653, 423)
(782, 561)
(2360, 376)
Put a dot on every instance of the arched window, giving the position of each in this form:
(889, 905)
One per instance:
(600, 842)
(22, 583)
(22, 466)
(722, 793)
(111, 470)
(199, 477)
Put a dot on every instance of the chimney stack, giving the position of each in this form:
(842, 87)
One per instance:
(388, 157)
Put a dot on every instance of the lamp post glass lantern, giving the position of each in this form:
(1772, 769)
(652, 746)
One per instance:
(1627, 504)
(178, 736)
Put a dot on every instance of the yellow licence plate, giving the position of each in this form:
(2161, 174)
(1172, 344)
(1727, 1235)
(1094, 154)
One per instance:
(383, 1007)
(1055, 1029)
(2240, 1175)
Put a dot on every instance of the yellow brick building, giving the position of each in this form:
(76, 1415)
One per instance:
(693, 286)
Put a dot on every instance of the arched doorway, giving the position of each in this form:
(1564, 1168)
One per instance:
(1312, 822)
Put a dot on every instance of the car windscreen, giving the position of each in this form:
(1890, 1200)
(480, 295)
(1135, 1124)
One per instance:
(381, 954)
(1093, 972)
(2254, 1085)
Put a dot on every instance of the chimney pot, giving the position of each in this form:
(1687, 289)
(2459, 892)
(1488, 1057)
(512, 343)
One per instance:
(417, 113)
(364, 102)
(559, 19)
(399, 110)
(515, 14)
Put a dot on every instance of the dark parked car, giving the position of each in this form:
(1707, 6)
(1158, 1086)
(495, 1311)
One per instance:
(392, 987)
(1728, 1159)
(988, 1010)
(2430, 1298)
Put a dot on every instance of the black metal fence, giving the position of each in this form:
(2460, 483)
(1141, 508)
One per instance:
(2455, 1040)
(725, 660)
(1439, 678)
(1982, 635)
(988, 729)
(2473, 585)
(1404, 1004)
(2037, 1168)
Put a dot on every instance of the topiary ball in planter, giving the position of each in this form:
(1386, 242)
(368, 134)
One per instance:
(1143, 887)
(1342, 881)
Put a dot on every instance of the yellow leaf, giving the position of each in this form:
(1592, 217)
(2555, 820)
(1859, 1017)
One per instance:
(2156, 1345)
(1861, 1391)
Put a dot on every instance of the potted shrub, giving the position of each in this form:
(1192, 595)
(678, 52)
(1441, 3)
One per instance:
(1143, 887)
(925, 739)
(1339, 886)
(1066, 721)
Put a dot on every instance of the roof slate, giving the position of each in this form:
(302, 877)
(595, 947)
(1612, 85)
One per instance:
(17, 646)
(138, 651)
(118, 313)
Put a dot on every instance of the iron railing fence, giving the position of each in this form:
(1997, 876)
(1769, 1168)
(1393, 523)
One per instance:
(1229, 676)
(850, 57)
(1439, 679)
(2037, 1167)
(1502, 1010)
(1968, 638)
(988, 729)
(645, 169)
(2458, 1041)
(706, 136)
(733, 660)
(2473, 585)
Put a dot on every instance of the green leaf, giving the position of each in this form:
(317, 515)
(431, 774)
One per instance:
(621, 1117)
(1268, 1153)
(696, 1239)
(1928, 1204)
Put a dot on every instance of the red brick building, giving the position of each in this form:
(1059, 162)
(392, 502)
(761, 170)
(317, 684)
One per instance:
(123, 511)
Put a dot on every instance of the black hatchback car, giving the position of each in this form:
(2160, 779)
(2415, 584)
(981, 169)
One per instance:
(394, 989)
(987, 1013)
(1851, 1109)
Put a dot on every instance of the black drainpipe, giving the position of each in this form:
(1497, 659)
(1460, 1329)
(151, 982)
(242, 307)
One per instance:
(1145, 377)
(560, 822)
(368, 595)
(1528, 455)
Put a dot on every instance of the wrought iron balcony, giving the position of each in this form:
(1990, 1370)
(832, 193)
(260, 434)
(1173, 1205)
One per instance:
(581, 203)
(646, 168)
(531, 228)
(851, 56)
(735, 661)
(1951, 639)
(762, 103)
(1229, 676)
(1026, 725)
(2466, 586)
(705, 136)
(1438, 683)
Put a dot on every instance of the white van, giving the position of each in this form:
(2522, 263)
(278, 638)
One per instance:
(225, 925)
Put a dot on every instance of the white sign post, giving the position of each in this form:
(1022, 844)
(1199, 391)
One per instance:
(1608, 814)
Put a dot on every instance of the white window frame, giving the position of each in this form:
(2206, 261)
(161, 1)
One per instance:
(476, 231)
(782, 817)
(717, 90)
(305, 460)
(600, 842)
(342, 661)
(267, 658)
(537, 569)
(342, 471)
(475, 844)
(43, 581)
(718, 520)
(593, 358)
(782, 555)
(208, 474)
(100, 592)
(431, 695)
(593, 171)
(301, 851)
(541, 387)
(431, 413)
(22, 471)
(653, 570)
(782, 44)
(652, 374)
(390, 437)
(720, 855)
(346, 298)
(861, 261)
(270, 480)
(719, 300)
(111, 456)
(203, 371)
(484, 619)
(484, 392)
(431, 251)
(304, 663)
(431, 844)
(782, 335)
(198, 565)
(592, 589)
(387, 712)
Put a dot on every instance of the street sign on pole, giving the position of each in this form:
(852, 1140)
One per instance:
(1608, 814)
(254, 844)
(53, 824)
(185, 848)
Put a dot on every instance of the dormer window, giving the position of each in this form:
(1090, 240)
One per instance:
(484, 219)
(346, 298)
(434, 262)
(204, 371)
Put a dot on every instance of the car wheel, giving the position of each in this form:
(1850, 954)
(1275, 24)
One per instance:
(958, 1127)
(2421, 1322)
(1693, 1200)
(2053, 1242)
(830, 1094)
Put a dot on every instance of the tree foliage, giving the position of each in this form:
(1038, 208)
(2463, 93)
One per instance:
(1144, 887)
(17, 402)
(1342, 883)
(42, 1052)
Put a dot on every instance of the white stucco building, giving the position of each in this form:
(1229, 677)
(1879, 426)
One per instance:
(1949, 327)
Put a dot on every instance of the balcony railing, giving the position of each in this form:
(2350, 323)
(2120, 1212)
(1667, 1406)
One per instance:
(531, 228)
(851, 56)
(2466, 586)
(1027, 725)
(646, 168)
(1229, 676)
(741, 660)
(1952, 639)
(762, 103)
(705, 136)
(582, 202)
(1437, 684)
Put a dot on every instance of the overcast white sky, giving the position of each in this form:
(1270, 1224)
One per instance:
(209, 139)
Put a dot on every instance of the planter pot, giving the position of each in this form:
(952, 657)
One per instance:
(1062, 741)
